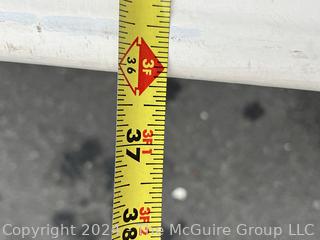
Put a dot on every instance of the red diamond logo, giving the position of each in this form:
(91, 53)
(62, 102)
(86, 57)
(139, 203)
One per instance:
(140, 66)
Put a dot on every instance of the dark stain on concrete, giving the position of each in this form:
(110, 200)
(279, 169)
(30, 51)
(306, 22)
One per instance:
(253, 111)
(65, 217)
(74, 161)
(173, 89)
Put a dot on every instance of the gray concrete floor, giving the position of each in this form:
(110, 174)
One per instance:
(244, 154)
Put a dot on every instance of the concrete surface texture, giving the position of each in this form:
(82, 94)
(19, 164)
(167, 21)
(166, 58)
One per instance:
(235, 154)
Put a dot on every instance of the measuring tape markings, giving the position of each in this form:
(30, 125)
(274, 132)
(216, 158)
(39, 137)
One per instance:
(141, 101)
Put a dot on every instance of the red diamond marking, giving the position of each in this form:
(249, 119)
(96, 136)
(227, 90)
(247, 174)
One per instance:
(140, 66)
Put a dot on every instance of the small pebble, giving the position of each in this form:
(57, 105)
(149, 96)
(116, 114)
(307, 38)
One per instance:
(316, 204)
(287, 147)
(179, 194)
(204, 115)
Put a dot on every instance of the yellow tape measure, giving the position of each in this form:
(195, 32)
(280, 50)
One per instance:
(141, 101)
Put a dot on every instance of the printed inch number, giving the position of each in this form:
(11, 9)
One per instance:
(136, 137)
(132, 233)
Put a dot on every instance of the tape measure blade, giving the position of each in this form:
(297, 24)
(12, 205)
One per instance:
(141, 103)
